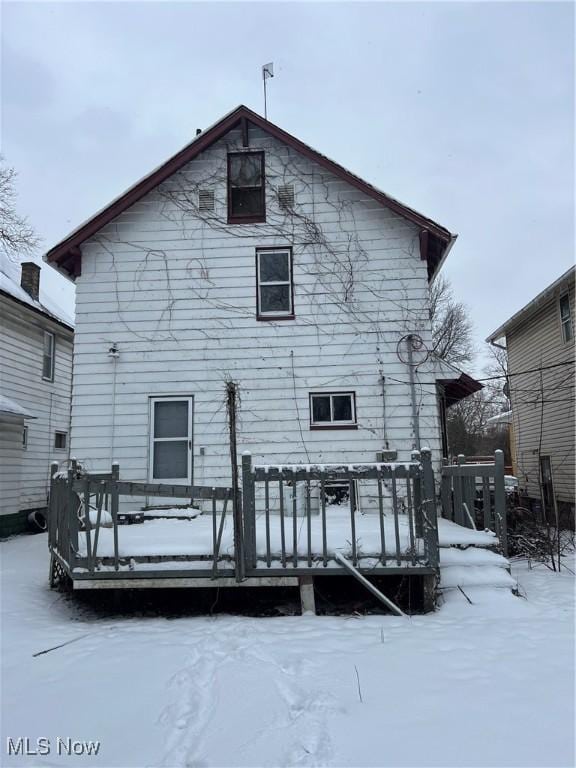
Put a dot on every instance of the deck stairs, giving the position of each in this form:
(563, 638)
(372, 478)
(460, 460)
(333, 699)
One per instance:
(470, 560)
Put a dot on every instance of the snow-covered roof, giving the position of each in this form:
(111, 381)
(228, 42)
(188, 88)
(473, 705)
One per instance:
(13, 408)
(10, 284)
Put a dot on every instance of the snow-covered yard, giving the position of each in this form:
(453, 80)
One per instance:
(488, 684)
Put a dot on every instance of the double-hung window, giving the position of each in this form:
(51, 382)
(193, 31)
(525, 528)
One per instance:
(332, 410)
(171, 439)
(566, 318)
(246, 190)
(48, 356)
(274, 288)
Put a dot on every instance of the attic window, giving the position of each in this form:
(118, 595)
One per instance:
(286, 196)
(246, 197)
(206, 200)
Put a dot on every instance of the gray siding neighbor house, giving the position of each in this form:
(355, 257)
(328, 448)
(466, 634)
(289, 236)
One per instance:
(540, 344)
(35, 387)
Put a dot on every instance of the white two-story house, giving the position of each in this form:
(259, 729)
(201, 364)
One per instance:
(250, 257)
(35, 392)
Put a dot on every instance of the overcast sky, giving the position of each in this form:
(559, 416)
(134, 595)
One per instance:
(464, 111)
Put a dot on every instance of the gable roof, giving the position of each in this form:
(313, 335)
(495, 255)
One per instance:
(435, 240)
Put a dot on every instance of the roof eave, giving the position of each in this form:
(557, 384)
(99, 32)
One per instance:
(531, 306)
(65, 256)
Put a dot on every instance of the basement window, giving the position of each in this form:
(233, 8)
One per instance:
(246, 196)
(274, 286)
(333, 410)
(566, 318)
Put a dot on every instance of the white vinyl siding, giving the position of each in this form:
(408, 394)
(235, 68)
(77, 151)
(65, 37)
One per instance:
(177, 294)
(21, 380)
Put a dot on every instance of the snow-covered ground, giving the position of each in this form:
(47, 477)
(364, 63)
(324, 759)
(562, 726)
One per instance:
(488, 684)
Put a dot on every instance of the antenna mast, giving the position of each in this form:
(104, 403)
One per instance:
(267, 71)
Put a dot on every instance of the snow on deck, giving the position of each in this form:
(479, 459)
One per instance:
(194, 537)
(165, 537)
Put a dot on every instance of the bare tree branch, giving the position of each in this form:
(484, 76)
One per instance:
(451, 326)
(17, 237)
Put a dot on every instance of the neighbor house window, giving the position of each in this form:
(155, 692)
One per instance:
(60, 439)
(48, 358)
(566, 318)
(246, 196)
(274, 300)
(171, 439)
(24, 438)
(332, 410)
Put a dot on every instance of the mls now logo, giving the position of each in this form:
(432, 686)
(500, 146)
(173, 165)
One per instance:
(43, 746)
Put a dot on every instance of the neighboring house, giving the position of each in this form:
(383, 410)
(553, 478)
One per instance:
(539, 340)
(35, 389)
(250, 257)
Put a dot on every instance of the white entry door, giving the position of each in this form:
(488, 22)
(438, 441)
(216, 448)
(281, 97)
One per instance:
(171, 439)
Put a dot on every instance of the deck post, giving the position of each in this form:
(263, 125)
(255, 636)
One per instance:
(459, 516)
(429, 592)
(446, 493)
(248, 510)
(307, 595)
(52, 512)
(429, 508)
(417, 496)
(72, 516)
(500, 499)
(114, 509)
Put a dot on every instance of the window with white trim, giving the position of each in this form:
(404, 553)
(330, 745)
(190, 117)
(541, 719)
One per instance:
(24, 438)
(171, 439)
(566, 318)
(332, 410)
(48, 356)
(274, 283)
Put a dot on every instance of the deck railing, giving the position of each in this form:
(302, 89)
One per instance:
(83, 504)
(474, 495)
(281, 519)
(395, 503)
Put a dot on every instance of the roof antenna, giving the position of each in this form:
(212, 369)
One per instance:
(267, 71)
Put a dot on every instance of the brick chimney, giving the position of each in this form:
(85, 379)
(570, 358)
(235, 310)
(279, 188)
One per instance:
(30, 279)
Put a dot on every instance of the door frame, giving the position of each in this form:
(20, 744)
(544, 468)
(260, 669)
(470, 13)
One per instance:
(152, 399)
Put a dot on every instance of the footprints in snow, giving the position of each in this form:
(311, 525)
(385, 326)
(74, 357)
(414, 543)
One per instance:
(305, 713)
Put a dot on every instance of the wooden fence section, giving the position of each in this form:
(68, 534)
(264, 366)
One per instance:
(474, 495)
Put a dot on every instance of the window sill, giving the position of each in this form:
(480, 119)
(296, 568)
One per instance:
(333, 426)
(261, 219)
(270, 318)
(51, 381)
